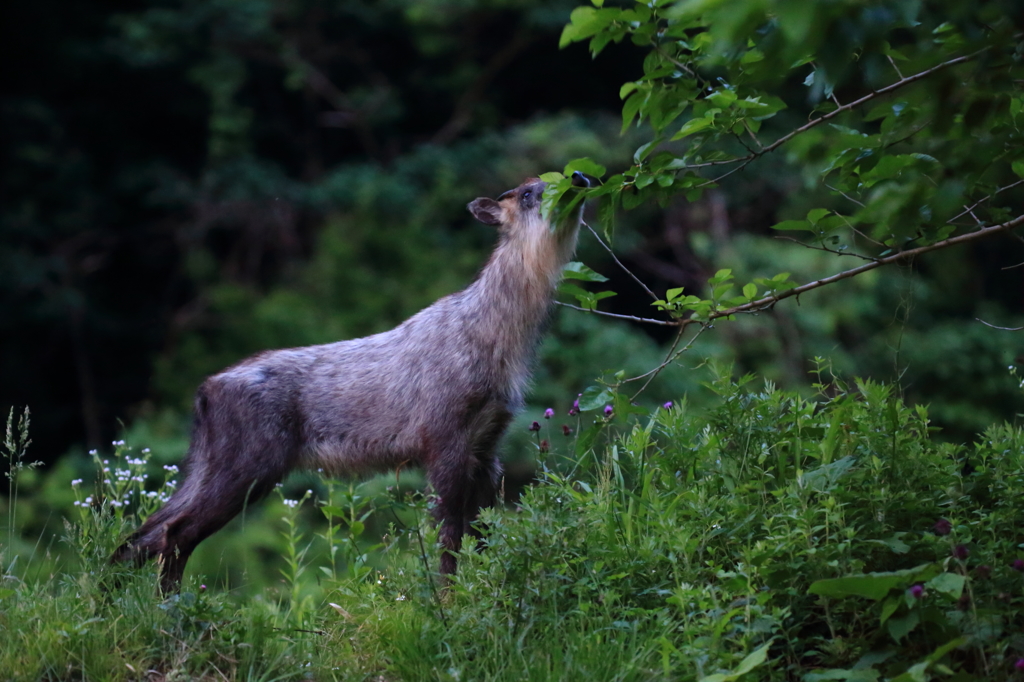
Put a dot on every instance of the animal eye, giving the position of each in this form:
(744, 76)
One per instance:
(527, 193)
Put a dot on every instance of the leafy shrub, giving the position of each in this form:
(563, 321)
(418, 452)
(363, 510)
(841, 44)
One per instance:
(773, 536)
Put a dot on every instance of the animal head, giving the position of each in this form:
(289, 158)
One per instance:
(517, 209)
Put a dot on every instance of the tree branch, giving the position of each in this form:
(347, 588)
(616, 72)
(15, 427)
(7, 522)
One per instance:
(631, 318)
(768, 301)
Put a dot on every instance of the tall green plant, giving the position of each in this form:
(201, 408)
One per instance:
(16, 442)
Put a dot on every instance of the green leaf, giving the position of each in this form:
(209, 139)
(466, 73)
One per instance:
(694, 125)
(722, 98)
(916, 673)
(750, 290)
(573, 290)
(1018, 168)
(901, 627)
(894, 543)
(577, 270)
(793, 225)
(722, 276)
(752, 660)
(874, 585)
(948, 583)
(824, 478)
(643, 150)
(816, 214)
(586, 22)
(584, 165)
(858, 675)
(889, 607)
(595, 398)
(630, 109)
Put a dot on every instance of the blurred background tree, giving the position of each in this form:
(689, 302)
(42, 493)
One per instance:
(185, 183)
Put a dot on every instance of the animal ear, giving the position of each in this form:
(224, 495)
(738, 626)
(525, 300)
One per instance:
(487, 211)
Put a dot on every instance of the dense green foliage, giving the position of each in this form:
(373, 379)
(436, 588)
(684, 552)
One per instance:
(772, 535)
(913, 141)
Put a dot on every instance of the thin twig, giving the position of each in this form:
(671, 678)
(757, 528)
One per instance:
(678, 64)
(984, 199)
(845, 195)
(631, 318)
(824, 248)
(898, 72)
(745, 160)
(1005, 329)
(672, 356)
(752, 135)
(668, 356)
(618, 262)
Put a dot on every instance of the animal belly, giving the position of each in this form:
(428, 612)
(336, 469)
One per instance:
(353, 458)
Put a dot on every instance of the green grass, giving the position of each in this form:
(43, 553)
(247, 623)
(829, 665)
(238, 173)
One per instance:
(770, 537)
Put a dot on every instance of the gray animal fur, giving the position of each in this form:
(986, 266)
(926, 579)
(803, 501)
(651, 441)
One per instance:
(437, 391)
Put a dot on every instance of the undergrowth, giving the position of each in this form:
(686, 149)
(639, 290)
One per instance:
(771, 537)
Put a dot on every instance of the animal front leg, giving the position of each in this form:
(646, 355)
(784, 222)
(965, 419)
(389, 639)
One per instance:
(483, 494)
(452, 479)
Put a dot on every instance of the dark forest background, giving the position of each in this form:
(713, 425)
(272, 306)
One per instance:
(185, 182)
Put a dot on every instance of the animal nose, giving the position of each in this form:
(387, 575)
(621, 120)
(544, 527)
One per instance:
(580, 180)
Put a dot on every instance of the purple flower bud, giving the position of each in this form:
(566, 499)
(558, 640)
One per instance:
(545, 446)
(961, 552)
(549, 413)
(535, 426)
(1019, 665)
(608, 410)
(202, 588)
(917, 591)
(668, 405)
(1018, 565)
(983, 572)
(942, 527)
(964, 602)
(566, 430)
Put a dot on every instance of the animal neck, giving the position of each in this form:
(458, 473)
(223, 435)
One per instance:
(513, 292)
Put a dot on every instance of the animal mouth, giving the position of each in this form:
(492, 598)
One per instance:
(580, 180)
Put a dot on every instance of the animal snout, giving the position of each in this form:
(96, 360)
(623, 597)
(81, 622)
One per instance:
(580, 180)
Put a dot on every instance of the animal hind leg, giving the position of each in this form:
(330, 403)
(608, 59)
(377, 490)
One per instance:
(235, 459)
